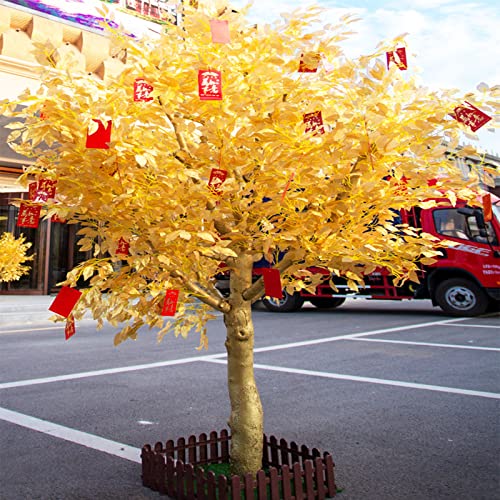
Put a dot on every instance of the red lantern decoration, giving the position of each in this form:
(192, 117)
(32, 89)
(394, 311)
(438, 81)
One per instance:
(142, 89)
(217, 178)
(70, 328)
(314, 123)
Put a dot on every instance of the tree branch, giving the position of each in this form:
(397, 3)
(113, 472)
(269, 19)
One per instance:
(216, 302)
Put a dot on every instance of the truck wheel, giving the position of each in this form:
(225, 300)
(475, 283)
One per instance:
(461, 297)
(327, 302)
(289, 302)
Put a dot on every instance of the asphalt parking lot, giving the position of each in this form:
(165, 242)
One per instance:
(405, 398)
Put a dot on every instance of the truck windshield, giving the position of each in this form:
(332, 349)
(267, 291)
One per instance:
(450, 222)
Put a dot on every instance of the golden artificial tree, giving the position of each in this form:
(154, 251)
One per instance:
(311, 165)
(13, 257)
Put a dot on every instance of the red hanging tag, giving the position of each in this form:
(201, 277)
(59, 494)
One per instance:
(29, 215)
(217, 178)
(32, 190)
(101, 137)
(272, 283)
(142, 89)
(210, 85)
(398, 57)
(170, 303)
(123, 247)
(487, 208)
(47, 187)
(65, 300)
(471, 116)
(70, 329)
(287, 186)
(220, 31)
(309, 62)
(56, 219)
(314, 123)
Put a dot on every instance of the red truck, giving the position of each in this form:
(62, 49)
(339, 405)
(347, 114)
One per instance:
(464, 281)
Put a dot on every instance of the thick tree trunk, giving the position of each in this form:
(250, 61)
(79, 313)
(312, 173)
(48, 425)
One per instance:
(246, 420)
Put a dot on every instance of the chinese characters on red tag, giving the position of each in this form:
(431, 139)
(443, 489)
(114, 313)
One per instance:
(210, 85)
(217, 178)
(101, 137)
(471, 116)
(170, 303)
(29, 215)
(398, 57)
(123, 247)
(314, 123)
(142, 89)
(70, 328)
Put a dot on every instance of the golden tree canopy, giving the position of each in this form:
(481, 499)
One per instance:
(323, 196)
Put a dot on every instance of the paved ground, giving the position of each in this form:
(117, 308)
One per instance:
(405, 398)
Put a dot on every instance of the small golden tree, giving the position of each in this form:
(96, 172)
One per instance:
(309, 166)
(13, 257)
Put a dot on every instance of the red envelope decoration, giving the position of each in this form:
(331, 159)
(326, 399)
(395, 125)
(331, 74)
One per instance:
(217, 178)
(142, 89)
(210, 85)
(170, 303)
(220, 31)
(314, 123)
(309, 62)
(398, 57)
(272, 283)
(70, 329)
(29, 215)
(101, 137)
(123, 247)
(65, 300)
(55, 218)
(32, 189)
(47, 187)
(471, 116)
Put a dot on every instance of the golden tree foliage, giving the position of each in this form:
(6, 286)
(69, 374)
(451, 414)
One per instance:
(13, 257)
(314, 196)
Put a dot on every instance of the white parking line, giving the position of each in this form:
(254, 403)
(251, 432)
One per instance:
(430, 344)
(111, 371)
(72, 435)
(468, 325)
(354, 378)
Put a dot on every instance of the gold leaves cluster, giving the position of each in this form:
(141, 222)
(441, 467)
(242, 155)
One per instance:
(13, 257)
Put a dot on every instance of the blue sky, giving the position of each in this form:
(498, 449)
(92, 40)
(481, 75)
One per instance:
(453, 43)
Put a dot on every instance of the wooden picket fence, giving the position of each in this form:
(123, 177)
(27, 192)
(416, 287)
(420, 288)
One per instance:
(289, 471)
